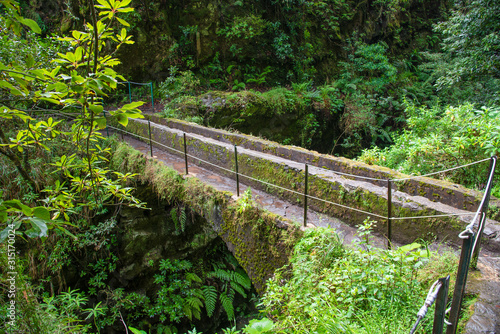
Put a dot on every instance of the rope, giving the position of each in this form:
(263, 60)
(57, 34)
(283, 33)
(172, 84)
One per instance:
(433, 216)
(443, 171)
(431, 297)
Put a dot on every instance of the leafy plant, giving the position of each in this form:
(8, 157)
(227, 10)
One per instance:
(437, 139)
(329, 288)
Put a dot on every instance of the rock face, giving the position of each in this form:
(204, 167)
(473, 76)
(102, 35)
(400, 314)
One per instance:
(164, 231)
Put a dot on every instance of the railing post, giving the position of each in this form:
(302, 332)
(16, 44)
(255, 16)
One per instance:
(458, 293)
(129, 93)
(150, 142)
(236, 170)
(185, 153)
(484, 210)
(305, 194)
(389, 214)
(441, 300)
(152, 98)
(107, 130)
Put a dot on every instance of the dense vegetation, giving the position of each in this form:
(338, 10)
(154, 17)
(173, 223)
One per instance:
(409, 84)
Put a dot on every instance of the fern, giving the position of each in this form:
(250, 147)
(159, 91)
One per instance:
(221, 274)
(173, 215)
(238, 288)
(242, 279)
(188, 311)
(227, 304)
(183, 220)
(192, 277)
(192, 307)
(210, 294)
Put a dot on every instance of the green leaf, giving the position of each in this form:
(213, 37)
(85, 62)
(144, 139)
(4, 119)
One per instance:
(125, 23)
(18, 206)
(104, 4)
(41, 212)
(125, 3)
(122, 119)
(32, 25)
(136, 331)
(42, 226)
(101, 122)
(96, 108)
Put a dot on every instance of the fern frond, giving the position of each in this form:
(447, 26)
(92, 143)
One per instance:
(194, 302)
(242, 279)
(197, 314)
(238, 288)
(222, 274)
(188, 312)
(210, 293)
(192, 277)
(227, 304)
(183, 219)
(173, 215)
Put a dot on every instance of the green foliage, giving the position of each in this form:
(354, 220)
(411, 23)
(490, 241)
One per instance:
(80, 76)
(178, 83)
(329, 288)
(179, 293)
(471, 44)
(231, 281)
(255, 326)
(441, 138)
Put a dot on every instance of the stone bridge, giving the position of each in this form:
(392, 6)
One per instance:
(348, 190)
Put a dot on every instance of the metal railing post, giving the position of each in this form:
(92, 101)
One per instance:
(484, 210)
(185, 153)
(389, 214)
(441, 300)
(129, 93)
(305, 194)
(463, 270)
(152, 98)
(236, 170)
(150, 142)
(107, 130)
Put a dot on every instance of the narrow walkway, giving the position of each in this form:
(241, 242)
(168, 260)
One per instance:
(263, 199)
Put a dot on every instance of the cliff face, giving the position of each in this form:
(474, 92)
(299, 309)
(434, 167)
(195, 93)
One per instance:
(297, 39)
